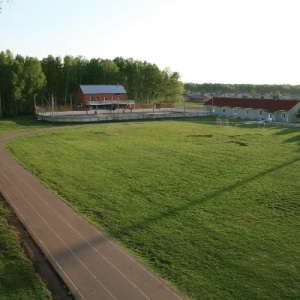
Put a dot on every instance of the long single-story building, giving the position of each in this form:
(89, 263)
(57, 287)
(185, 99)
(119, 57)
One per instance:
(259, 109)
(103, 97)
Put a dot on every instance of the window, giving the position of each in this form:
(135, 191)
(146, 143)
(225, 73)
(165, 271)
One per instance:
(234, 111)
(260, 112)
(223, 110)
(247, 111)
(283, 115)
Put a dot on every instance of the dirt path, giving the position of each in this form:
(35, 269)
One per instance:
(88, 261)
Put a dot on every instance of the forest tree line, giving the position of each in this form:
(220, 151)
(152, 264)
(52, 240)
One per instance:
(235, 89)
(23, 79)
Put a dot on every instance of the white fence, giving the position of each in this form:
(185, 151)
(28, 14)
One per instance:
(101, 115)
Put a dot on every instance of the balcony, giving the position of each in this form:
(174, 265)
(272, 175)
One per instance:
(110, 102)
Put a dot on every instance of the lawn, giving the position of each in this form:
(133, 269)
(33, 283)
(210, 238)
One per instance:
(17, 124)
(214, 210)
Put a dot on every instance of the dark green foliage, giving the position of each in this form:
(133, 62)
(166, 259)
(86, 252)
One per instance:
(298, 114)
(21, 78)
(253, 90)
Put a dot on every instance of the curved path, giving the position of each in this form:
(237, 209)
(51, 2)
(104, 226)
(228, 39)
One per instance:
(89, 262)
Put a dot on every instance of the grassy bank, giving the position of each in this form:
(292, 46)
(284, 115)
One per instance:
(17, 124)
(213, 209)
(18, 280)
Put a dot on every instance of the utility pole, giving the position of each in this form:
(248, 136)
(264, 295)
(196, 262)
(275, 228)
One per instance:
(118, 97)
(34, 101)
(71, 103)
(185, 97)
(153, 96)
(212, 104)
(52, 104)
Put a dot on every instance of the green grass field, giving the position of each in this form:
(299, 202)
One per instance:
(214, 210)
(17, 124)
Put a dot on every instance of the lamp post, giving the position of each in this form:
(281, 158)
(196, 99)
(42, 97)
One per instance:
(71, 102)
(185, 97)
(153, 96)
(118, 99)
(52, 104)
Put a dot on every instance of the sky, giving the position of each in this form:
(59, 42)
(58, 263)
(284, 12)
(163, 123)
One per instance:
(205, 41)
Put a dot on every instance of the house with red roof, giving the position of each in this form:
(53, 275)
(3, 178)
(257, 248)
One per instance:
(103, 97)
(258, 109)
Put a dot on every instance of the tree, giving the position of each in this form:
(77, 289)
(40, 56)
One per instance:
(172, 88)
(20, 79)
(152, 78)
(110, 72)
(298, 114)
(1, 5)
(253, 93)
(13, 84)
(69, 75)
(52, 68)
(81, 69)
(34, 82)
(6, 63)
(95, 71)
(276, 95)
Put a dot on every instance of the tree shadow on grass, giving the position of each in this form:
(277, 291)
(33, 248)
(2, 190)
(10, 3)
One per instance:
(32, 122)
(290, 134)
(173, 211)
(294, 139)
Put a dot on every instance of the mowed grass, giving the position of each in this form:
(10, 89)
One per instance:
(24, 123)
(214, 210)
(18, 280)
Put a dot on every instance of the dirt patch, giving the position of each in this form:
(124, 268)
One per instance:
(201, 135)
(98, 215)
(55, 285)
(239, 143)
(290, 208)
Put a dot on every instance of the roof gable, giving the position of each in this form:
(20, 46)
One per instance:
(102, 89)
(265, 104)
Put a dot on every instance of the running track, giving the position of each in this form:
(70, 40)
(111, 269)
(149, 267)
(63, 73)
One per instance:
(88, 261)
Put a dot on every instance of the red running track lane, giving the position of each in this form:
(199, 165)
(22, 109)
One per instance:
(88, 261)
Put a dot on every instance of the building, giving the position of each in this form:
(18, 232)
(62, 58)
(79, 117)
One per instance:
(197, 97)
(258, 109)
(108, 97)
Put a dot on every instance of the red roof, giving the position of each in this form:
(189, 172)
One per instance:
(265, 104)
